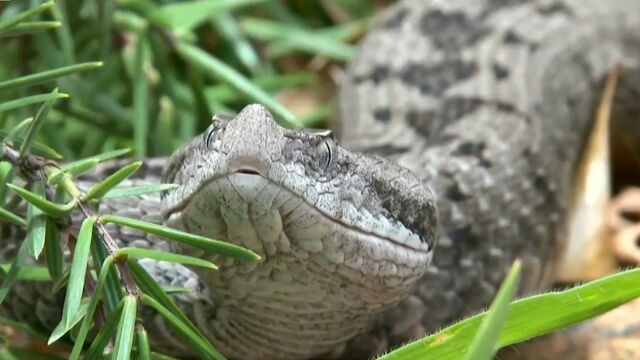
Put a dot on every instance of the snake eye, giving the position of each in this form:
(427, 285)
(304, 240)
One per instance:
(218, 122)
(324, 148)
(325, 140)
(329, 154)
(209, 136)
(321, 140)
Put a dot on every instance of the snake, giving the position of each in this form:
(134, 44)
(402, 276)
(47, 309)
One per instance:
(459, 126)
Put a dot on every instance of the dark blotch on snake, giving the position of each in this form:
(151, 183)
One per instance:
(451, 31)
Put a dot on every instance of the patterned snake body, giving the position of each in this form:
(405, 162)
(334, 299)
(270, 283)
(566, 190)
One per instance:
(473, 109)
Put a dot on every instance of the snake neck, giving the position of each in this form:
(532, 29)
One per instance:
(489, 102)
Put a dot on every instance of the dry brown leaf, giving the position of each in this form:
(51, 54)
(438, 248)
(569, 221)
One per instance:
(587, 255)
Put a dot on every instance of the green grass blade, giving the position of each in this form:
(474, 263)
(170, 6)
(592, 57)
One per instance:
(138, 190)
(485, 341)
(53, 251)
(76, 168)
(149, 10)
(151, 287)
(50, 208)
(44, 76)
(29, 273)
(165, 256)
(228, 28)
(36, 124)
(23, 327)
(176, 290)
(271, 83)
(80, 166)
(102, 338)
(5, 353)
(530, 317)
(157, 356)
(216, 68)
(215, 246)
(30, 100)
(30, 27)
(113, 292)
(99, 158)
(140, 99)
(61, 329)
(37, 148)
(200, 344)
(98, 190)
(6, 215)
(58, 284)
(18, 18)
(14, 270)
(87, 320)
(6, 176)
(84, 91)
(126, 328)
(36, 226)
(142, 339)
(187, 15)
(79, 264)
(127, 20)
(297, 38)
(16, 131)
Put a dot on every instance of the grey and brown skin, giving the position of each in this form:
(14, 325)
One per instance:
(471, 112)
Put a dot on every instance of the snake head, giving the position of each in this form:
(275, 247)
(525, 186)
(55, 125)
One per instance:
(364, 194)
(343, 233)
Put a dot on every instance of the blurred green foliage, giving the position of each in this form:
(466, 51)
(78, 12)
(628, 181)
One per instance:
(168, 66)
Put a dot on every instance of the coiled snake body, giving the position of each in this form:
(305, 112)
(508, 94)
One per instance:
(472, 112)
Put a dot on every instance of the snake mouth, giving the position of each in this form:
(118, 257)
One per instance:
(396, 241)
(247, 165)
(247, 171)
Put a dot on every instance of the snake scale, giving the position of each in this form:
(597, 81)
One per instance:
(460, 125)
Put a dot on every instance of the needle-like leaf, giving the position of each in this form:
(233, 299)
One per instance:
(199, 343)
(102, 338)
(50, 208)
(7, 215)
(100, 189)
(126, 329)
(87, 320)
(215, 246)
(138, 190)
(53, 251)
(165, 256)
(14, 20)
(48, 75)
(36, 225)
(79, 264)
(142, 339)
